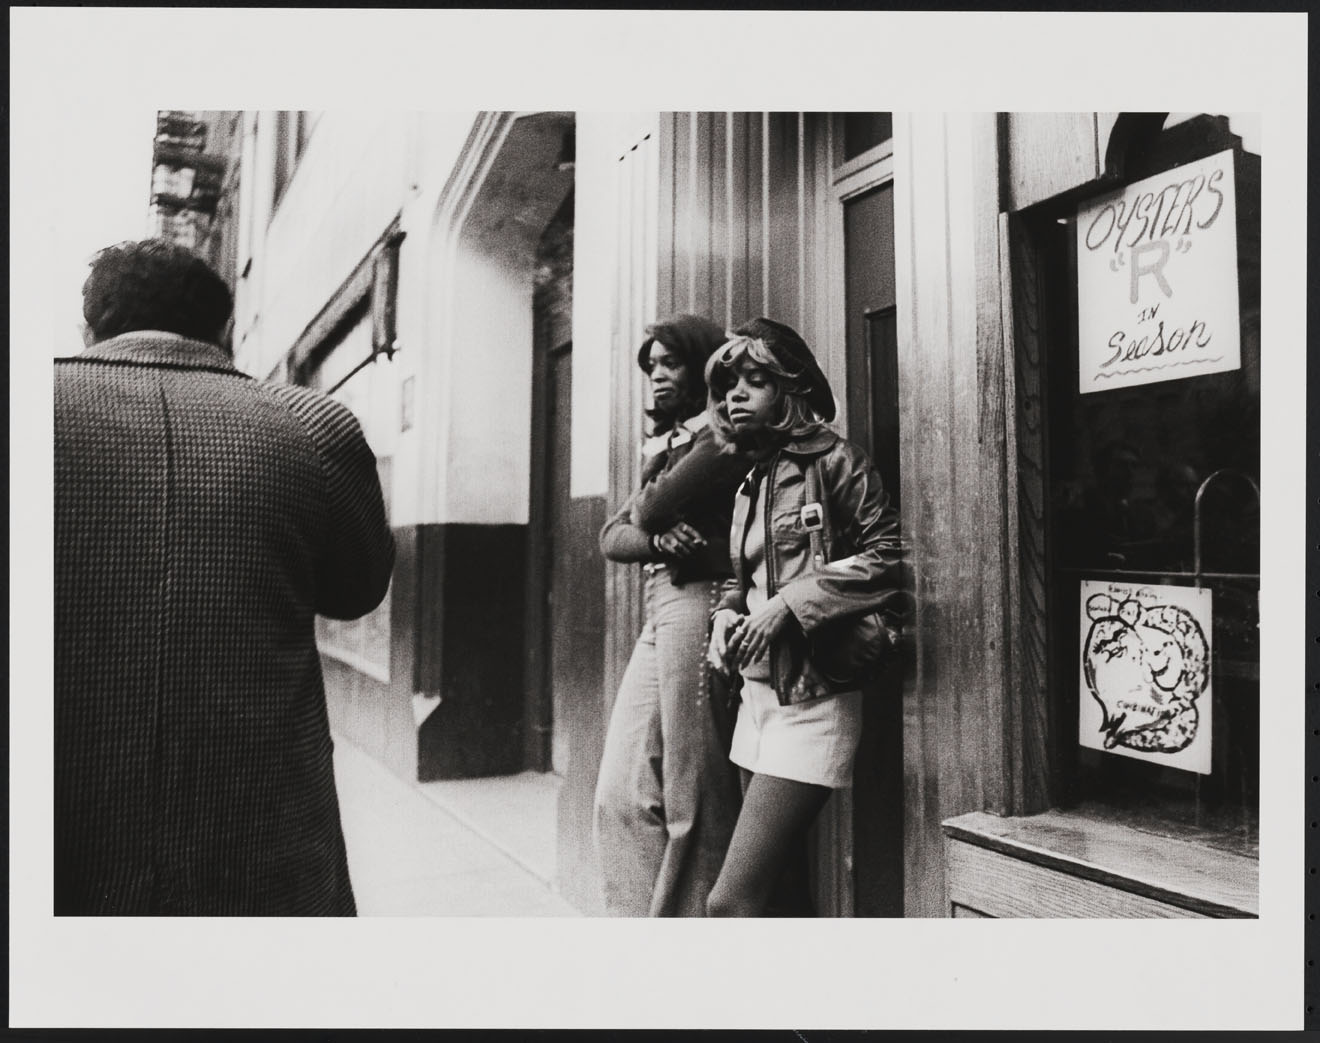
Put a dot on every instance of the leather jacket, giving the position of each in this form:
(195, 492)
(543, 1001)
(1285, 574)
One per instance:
(861, 543)
(687, 477)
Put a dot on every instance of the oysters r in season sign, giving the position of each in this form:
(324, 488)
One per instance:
(1157, 290)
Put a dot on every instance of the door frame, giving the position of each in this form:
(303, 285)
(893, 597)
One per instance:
(833, 831)
(862, 173)
(538, 688)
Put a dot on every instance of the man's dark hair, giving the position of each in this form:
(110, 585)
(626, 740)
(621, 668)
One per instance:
(154, 285)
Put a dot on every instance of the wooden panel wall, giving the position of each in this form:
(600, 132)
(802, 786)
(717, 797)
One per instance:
(739, 231)
(644, 195)
(953, 464)
(1048, 153)
(997, 885)
(577, 869)
(1030, 732)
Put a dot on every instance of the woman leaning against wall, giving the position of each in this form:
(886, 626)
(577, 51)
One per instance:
(666, 798)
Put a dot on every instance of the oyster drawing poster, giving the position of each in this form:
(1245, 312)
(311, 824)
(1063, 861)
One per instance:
(1157, 292)
(1145, 672)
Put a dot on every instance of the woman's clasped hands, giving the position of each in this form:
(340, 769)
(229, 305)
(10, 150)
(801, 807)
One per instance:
(738, 640)
(682, 541)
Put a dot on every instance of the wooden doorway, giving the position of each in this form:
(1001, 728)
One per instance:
(868, 831)
(872, 353)
(550, 660)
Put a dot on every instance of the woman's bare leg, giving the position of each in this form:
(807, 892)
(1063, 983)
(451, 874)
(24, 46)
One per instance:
(775, 814)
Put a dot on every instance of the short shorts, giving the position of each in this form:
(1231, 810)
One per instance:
(814, 741)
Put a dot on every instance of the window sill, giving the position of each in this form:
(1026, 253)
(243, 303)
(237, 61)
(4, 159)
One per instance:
(1068, 863)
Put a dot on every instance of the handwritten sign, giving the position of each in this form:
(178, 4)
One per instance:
(1157, 294)
(1145, 673)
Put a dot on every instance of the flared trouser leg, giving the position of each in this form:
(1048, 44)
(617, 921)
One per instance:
(667, 797)
(629, 816)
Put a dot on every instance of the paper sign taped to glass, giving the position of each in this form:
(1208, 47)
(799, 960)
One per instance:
(1157, 279)
(1145, 673)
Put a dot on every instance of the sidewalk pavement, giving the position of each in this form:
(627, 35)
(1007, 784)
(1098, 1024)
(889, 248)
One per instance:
(468, 847)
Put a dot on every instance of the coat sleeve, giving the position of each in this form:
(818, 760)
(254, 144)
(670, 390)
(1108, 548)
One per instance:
(622, 541)
(870, 578)
(658, 506)
(358, 553)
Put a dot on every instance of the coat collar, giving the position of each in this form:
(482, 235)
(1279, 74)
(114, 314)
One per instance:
(681, 433)
(158, 348)
(698, 422)
(686, 430)
(813, 444)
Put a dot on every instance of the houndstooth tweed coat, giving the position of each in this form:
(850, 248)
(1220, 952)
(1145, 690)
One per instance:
(202, 518)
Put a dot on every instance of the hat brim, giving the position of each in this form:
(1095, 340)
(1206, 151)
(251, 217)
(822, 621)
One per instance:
(820, 397)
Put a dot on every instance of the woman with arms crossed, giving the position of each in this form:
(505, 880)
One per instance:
(666, 799)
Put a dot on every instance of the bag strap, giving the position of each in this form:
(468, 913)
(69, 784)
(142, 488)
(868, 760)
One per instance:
(814, 496)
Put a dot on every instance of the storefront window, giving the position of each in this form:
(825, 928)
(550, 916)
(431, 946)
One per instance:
(1153, 469)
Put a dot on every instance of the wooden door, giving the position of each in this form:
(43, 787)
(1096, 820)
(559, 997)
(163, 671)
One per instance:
(550, 663)
(550, 543)
(872, 362)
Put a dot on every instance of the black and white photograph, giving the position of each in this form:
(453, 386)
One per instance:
(509, 478)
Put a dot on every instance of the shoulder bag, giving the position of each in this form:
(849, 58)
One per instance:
(852, 649)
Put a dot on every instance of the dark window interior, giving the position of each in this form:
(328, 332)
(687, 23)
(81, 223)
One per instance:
(1124, 469)
(865, 130)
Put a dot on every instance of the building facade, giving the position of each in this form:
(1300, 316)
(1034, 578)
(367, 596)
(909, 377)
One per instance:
(1077, 732)
(194, 184)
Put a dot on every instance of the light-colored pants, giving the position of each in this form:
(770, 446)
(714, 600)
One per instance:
(667, 797)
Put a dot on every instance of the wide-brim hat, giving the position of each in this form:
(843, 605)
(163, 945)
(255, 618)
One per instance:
(792, 353)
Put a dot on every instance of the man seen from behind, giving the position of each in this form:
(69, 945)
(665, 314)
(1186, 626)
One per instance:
(202, 520)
